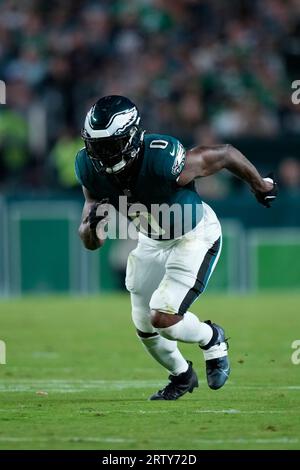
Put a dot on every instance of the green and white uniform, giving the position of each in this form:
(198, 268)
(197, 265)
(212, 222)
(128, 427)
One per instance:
(167, 274)
(162, 162)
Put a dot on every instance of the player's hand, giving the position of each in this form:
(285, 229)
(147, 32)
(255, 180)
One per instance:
(93, 218)
(269, 193)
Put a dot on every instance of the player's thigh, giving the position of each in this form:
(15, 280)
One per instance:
(145, 269)
(189, 267)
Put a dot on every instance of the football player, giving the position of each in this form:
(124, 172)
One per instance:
(164, 276)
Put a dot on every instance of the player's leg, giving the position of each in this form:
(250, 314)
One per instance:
(185, 281)
(145, 269)
(188, 270)
(163, 350)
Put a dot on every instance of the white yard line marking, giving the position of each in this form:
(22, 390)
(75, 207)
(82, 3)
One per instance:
(242, 440)
(12, 410)
(81, 385)
(153, 412)
(255, 412)
(78, 439)
(205, 411)
(64, 439)
(267, 387)
(44, 355)
(73, 386)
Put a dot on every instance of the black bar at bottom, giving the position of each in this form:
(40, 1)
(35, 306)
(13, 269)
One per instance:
(134, 458)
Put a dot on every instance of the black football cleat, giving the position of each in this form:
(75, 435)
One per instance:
(178, 385)
(216, 358)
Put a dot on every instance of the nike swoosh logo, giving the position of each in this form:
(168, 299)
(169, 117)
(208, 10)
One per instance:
(173, 152)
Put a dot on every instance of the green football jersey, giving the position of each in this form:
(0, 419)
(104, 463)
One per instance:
(155, 188)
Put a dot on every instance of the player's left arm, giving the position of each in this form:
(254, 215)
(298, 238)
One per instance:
(205, 161)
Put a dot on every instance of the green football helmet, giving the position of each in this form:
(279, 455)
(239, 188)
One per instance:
(112, 134)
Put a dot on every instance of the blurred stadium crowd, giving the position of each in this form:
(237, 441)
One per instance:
(202, 70)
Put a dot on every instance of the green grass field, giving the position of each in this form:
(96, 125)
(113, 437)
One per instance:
(84, 353)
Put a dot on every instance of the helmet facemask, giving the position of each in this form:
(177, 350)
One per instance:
(112, 154)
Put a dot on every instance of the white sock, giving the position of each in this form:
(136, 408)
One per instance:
(166, 353)
(188, 330)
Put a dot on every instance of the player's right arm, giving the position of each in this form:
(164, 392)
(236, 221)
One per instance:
(89, 222)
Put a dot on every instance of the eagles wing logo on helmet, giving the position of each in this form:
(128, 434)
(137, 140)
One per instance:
(118, 123)
(112, 134)
(131, 120)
